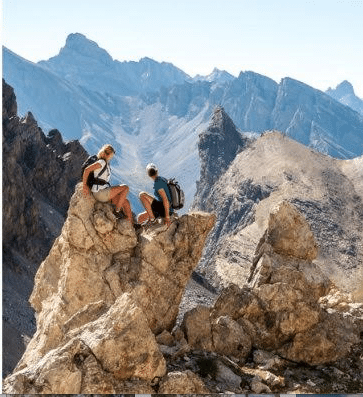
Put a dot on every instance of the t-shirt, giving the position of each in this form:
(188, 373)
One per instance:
(160, 183)
(105, 176)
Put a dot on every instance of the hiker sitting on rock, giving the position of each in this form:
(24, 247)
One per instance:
(101, 188)
(159, 206)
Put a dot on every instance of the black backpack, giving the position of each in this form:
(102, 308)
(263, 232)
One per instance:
(177, 194)
(91, 177)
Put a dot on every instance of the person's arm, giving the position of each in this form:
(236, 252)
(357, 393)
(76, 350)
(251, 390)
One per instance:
(166, 205)
(90, 168)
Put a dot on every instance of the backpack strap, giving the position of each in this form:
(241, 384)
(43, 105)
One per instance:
(103, 169)
(98, 180)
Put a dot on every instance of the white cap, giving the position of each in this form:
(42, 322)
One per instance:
(151, 166)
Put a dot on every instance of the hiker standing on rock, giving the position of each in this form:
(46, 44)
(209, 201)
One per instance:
(100, 186)
(159, 206)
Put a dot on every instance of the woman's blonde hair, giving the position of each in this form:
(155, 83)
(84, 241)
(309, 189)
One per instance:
(106, 149)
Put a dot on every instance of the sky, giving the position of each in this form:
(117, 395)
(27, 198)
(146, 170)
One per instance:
(317, 42)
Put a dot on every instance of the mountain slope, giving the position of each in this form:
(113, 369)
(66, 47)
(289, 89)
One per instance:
(312, 118)
(276, 168)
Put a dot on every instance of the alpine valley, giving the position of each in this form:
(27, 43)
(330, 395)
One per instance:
(255, 287)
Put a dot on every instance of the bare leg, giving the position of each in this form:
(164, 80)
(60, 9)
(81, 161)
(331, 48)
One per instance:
(142, 217)
(146, 201)
(127, 208)
(118, 195)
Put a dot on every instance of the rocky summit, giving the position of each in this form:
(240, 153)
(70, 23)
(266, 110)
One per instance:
(101, 296)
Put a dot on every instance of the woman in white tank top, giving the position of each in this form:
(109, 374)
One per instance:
(101, 189)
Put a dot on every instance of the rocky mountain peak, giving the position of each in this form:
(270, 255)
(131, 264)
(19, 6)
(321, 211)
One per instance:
(344, 93)
(80, 44)
(29, 119)
(217, 76)
(344, 88)
(218, 146)
(148, 61)
(221, 122)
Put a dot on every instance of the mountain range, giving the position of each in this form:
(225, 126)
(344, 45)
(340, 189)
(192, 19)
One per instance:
(155, 112)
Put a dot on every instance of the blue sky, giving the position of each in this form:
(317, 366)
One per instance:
(318, 42)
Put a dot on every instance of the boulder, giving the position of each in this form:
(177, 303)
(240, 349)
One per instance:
(94, 358)
(197, 327)
(182, 383)
(286, 306)
(227, 377)
(258, 387)
(266, 360)
(166, 339)
(230, 338)
(289, 234)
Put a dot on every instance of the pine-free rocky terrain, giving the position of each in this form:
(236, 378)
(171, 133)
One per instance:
(256, 290)
(38, 177)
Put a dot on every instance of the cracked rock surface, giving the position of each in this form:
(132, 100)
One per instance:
(101, 295)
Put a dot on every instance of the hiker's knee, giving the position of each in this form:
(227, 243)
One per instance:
(122, 189)
(142, 195)
(142, 217)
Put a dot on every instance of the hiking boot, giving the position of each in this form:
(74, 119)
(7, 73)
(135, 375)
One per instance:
(148, 223)
(119, 214)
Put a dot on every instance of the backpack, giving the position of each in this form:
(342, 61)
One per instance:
(91, 177)
(177, 194)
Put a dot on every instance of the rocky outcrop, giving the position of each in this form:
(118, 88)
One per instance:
(218, 146)
(284, 308)
(101, 296)
(106, 299)
(36, 169)
(38, 178)
(328, 192)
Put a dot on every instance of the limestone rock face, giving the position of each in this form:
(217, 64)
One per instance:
(289, 233)
(90, 361)
(286, 306)
(101, 296)
(36, 168)
(230, 338)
